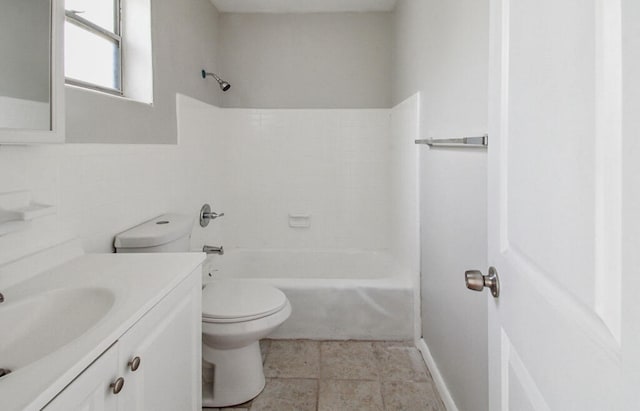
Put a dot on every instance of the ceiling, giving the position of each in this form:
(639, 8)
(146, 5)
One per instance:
(302, 6)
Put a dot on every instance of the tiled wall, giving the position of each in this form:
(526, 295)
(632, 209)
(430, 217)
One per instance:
(403, 169)
(330, 164)
(101, 190)
(404, 194)
(256, 166)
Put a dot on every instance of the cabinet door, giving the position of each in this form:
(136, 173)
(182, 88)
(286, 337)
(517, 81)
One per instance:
(167, 341)
(91, 390)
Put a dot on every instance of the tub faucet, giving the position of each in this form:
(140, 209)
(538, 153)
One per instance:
(213, 250)
(1, 298)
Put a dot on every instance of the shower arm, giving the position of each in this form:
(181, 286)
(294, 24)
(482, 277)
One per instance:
(224, 85)
(206, 73)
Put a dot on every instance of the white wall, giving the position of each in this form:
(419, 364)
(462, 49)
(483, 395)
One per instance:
(185, 40)
(319, 60)
(441, 50)
(101, 190)
(330, 164)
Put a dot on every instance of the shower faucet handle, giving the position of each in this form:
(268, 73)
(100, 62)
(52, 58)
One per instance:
(207, 215)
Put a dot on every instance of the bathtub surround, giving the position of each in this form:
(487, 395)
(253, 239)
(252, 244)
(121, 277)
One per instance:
(353, 174)
(404, 217)
(329, 165)
(441, 49)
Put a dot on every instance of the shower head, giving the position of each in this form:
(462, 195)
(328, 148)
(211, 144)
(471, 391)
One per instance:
(224, 86)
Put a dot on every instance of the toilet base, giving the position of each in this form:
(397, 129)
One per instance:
(237, 375)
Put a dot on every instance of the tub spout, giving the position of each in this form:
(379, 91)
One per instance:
(213, 250)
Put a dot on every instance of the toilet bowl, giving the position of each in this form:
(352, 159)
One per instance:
(235, 316)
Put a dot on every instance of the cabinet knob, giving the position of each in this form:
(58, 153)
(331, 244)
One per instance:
(134, 364)
(117, 385)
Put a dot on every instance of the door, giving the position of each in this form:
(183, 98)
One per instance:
(555, 205)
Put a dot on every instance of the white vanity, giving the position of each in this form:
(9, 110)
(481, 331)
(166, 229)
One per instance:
(101, 331)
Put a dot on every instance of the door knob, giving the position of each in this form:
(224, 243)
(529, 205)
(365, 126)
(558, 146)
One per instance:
(476, 281)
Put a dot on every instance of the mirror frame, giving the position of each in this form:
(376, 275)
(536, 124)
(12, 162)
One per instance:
(57, 100)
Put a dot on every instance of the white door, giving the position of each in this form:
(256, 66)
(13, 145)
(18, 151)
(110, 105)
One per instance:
(556, 219)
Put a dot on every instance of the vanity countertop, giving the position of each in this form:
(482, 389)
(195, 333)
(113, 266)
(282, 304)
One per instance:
(134, 283)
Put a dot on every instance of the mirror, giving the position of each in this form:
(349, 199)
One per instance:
(30, 71)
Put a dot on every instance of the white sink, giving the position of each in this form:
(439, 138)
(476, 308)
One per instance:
(64, 308)
(34, 326)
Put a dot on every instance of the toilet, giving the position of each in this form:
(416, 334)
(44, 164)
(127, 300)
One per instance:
(236, 314)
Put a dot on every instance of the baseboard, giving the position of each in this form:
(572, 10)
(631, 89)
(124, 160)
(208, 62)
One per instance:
(437, 376)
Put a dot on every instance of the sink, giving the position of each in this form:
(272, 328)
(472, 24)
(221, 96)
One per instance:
(34, 326)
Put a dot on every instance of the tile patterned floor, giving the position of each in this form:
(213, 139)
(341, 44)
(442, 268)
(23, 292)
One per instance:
(343, 376)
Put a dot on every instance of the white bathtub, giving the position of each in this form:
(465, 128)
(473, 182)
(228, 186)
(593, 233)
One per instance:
(334, 294)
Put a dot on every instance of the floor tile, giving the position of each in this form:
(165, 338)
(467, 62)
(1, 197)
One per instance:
(348, 360)
(411, 396)
(343, 376)
(293, 359)
(349, 395)
(287, 395)
(399, 362)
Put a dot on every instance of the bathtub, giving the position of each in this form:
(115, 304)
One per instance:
(334, 294)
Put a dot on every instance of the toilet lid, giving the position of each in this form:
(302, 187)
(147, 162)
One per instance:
(228, 300)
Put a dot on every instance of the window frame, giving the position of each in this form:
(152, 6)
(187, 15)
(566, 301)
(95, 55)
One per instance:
(75, 18)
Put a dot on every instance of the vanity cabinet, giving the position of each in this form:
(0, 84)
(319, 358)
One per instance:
(158, 359)
(168, 343)
(91, 390)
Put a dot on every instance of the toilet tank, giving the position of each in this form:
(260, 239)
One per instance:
(164, 234)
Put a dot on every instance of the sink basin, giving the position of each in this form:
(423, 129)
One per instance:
(34, 326)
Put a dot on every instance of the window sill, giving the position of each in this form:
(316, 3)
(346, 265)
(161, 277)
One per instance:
(110, 95)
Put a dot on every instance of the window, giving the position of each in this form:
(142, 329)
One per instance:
(93, 45)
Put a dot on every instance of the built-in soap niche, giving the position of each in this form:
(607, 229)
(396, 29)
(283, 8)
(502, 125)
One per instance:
(17, 209)
(299, 220)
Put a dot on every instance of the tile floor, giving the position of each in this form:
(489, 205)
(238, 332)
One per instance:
(343, 376)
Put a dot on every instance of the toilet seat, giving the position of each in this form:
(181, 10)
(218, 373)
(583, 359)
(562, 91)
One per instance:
(228, 301)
